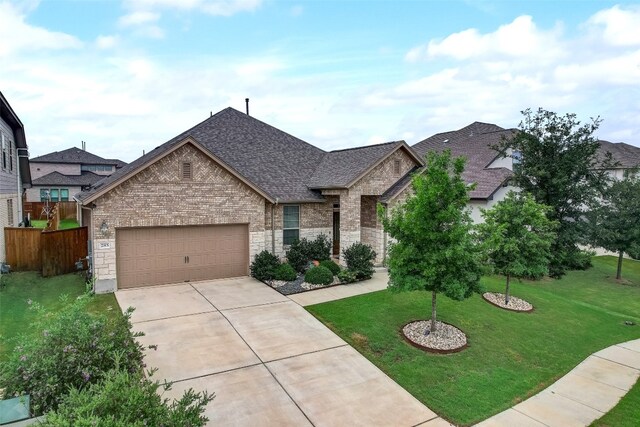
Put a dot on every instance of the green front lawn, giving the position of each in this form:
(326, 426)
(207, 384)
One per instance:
(64, 224)
(511, 356)
(21, 288)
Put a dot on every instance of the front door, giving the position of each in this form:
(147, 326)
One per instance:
(336, 233)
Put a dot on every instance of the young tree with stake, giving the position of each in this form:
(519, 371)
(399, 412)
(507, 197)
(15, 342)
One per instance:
(516, 236)
(434, 249)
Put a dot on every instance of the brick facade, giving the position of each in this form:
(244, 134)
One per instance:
(374, 183)
(157, 196)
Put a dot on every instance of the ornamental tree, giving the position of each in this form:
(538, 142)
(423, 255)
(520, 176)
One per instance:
(558, 163)
(434, 250)
(616, 222)
(516, 236)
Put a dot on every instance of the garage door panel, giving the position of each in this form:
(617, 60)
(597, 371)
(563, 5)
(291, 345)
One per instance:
(156, 255)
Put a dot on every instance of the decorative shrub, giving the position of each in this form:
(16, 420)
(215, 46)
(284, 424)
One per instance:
(359, 259)
(69, 349)
(298, 255)
(335, 268)
(264, 266)
(634, 252)
(320, 248)
(303, 251)
(347, 276)
(319, 276)
(123, 398)
(285, 272)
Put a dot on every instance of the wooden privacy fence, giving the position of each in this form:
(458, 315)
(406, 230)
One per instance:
(51, 252)
(67, 210)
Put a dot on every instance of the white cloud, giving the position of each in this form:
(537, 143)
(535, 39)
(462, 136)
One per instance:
(138, 18)
(519, 38)
(212, 7)
(106, 42)
(620, 27)
(125, 100)
(18, 36)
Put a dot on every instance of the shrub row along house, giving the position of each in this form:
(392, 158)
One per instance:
(201, 205)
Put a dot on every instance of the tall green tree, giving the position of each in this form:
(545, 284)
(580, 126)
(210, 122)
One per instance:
(434, 249)
(517, 235)
(558, 163)
(616, 222)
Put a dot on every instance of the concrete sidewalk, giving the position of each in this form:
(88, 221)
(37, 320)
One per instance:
(582, 396)
(377, 283)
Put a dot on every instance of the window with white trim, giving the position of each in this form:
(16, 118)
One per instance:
(290, 224)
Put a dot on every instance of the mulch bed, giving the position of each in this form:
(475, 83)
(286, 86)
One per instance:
(515, 304)
(445, 340)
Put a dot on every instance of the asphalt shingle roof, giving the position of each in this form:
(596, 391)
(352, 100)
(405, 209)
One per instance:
(56, 178)
(75, 155)
(340, 168)
(284, 167)
(473, 142)
(277, 163)
(628, 156)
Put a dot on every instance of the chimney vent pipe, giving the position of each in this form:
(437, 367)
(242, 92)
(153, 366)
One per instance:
(246, 100)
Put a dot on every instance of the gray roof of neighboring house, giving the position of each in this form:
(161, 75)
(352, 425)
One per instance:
(628, 156)
(341, 168)
(282, 166)
(75, 155)
(56, 178)
(473, 142)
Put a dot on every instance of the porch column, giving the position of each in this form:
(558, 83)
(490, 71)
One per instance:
(349, 219)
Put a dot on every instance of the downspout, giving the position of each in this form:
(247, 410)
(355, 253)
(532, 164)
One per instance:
(20, 187)
(273, 227)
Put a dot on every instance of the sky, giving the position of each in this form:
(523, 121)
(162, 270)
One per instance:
(128, 75)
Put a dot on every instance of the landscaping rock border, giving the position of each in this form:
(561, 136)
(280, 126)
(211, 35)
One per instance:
(298, 286)
(425, 323)
(516, 304)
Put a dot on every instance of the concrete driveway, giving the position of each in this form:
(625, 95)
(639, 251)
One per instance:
(269, 362)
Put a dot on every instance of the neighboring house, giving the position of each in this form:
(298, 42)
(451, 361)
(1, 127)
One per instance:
(203, 204)
(626, 156)
(62, 174)
(14, 169)
(485, 167)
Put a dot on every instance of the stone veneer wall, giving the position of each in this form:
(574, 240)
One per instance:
(158, 196)
(375, 183)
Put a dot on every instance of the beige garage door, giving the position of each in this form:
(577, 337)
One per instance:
(160, 255)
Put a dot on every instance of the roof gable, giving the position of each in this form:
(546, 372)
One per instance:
(107, 184)
(343, 168)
